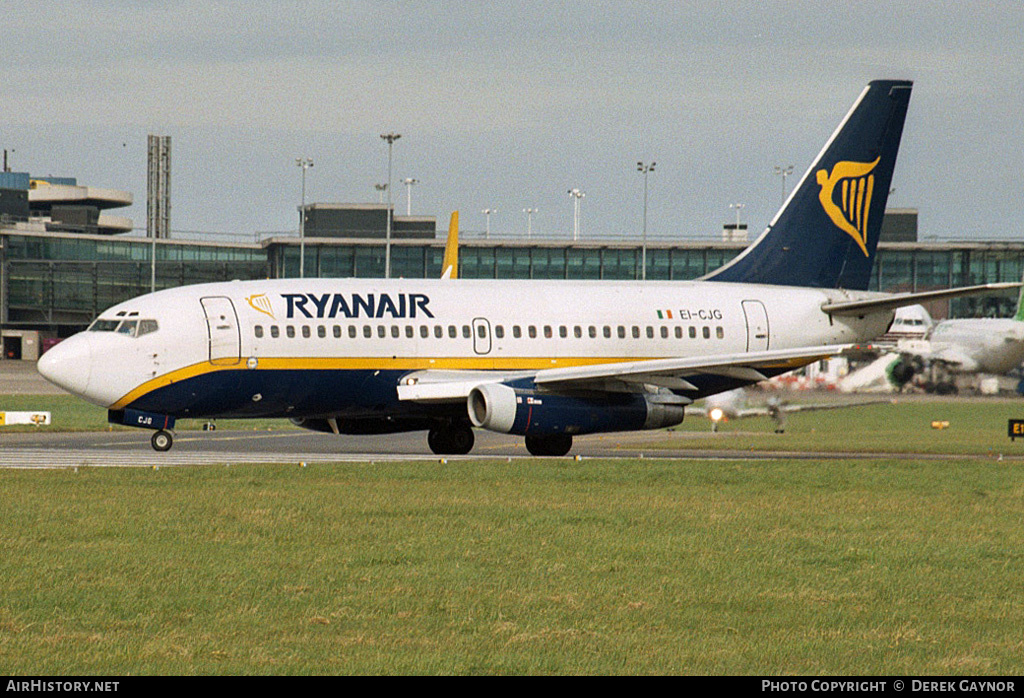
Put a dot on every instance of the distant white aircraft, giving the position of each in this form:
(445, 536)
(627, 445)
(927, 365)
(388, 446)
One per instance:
(737, 404)
(949, 348)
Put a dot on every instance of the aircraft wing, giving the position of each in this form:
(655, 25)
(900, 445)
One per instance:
(625, 376)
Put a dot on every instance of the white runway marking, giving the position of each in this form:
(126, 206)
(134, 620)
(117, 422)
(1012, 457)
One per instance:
(42, 458)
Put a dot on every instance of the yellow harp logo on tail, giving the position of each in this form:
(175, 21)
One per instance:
(260, 302)
(855, 185)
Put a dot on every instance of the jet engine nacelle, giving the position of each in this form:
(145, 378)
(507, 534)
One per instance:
(502, 408)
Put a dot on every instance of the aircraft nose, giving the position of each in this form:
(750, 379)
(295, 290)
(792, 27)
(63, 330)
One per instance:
(67, 365)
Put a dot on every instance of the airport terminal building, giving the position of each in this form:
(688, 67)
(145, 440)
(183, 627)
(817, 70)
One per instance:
(56, 275)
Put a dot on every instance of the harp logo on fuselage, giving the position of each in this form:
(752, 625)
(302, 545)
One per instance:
(856, 186)
(353, 305)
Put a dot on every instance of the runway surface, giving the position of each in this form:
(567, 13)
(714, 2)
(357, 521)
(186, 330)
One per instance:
(193, 448)
(48, 449)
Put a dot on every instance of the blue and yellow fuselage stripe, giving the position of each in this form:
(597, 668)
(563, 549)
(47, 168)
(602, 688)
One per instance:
(303, 386)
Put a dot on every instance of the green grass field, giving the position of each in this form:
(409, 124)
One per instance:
(533, 566)
(882, 566)
(975, 426)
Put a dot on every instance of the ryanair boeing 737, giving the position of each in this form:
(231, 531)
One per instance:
(543, 359)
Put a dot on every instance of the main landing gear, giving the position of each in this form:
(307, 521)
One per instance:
(551, 445)
(451, 439)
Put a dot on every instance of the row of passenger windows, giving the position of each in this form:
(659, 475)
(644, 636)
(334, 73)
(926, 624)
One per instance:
(532, 331)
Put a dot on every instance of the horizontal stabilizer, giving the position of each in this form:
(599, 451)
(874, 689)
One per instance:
(900, 300)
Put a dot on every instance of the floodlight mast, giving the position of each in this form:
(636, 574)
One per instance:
(644, 169)
(304, 163)
(390, 138)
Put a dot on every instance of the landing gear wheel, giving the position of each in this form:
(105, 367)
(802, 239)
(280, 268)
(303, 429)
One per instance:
(455, 440)
(553, 445)
(162, 441)
(460, 440)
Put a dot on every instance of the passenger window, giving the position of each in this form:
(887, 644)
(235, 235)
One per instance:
(650, 332)
(532, 330)
(517, 332)
(305, 331)
(424, 331)
(679, 332)
(636, 332)
(337, 331)
(395, 332)
(290, 331)
(438, 331)
(707, 332)
(499, 331)
(593, 331)
(259, 331)
(408, 332)
(547, 332)
(577, 331)
(720, 332)
(562, 331)
(607, 332)
(481, 331)
(622, 332)
(150, 326)
(664, 332)
(452, 332)
(367, 331)
(381, 331)
(693, 333)
(466, 332)
(352, 331)
(274, 331)
(321, 331)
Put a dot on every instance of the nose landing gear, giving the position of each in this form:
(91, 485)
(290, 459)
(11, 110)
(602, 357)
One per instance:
(162, 441)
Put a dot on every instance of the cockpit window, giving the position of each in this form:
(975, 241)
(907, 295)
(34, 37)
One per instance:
(131, 328)
(128, 327)
(104, 325)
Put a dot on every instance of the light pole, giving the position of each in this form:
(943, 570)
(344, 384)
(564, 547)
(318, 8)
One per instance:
(529, 221)
(304, 164)
(409, 182)
(487, 212)
(381, 188)
(390, 138)
(736, 230)
(576, 195)
(644, 169)
(785, 172)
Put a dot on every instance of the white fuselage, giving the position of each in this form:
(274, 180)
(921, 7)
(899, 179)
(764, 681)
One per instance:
(370, 326)
(987, 345)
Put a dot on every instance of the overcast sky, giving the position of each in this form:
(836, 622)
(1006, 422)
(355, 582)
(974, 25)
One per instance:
(509, 105)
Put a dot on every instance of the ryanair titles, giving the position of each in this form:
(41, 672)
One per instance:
(351, 305)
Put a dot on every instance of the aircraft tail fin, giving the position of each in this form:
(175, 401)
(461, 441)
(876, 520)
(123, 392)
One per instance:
(450, 265)
(826, 233)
